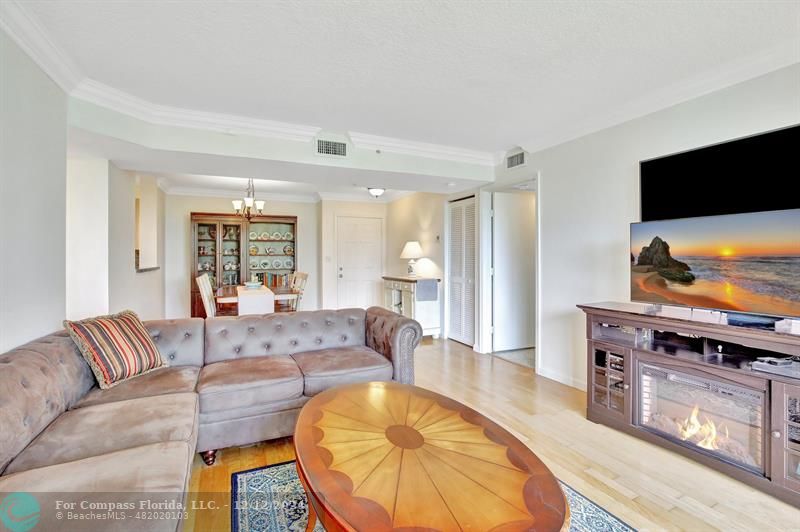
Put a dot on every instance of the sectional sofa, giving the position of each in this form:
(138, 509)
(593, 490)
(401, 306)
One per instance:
(230, 381)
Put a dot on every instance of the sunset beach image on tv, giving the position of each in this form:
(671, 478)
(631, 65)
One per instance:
(742, 262)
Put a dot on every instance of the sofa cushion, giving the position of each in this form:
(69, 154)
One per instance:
(244, 382)
(162, 381)
(38, 381)
(105, 428)
(157, 472)
(117, 347)
(345, 365)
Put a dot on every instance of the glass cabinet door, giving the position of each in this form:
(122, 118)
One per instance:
(231, 254)
(270, 250)
(786, 435)
(206, 250)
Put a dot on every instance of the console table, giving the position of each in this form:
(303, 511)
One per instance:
(685, 384)
(401, 295)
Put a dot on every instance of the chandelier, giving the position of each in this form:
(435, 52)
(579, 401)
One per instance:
(245, 206)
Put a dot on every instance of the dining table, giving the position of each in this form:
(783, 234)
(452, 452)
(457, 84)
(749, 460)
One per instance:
(230, 294)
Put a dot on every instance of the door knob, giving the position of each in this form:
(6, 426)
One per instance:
(776, 434)
(626, 386)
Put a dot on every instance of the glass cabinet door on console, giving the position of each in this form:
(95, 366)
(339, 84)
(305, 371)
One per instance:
(610, 381)
(785, 437)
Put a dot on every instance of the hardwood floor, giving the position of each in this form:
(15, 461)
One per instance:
(648, 487)
(525, 357)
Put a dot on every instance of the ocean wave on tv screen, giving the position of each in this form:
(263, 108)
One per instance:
(774, 276)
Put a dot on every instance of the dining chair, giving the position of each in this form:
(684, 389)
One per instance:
(207, 294)
(297, 282)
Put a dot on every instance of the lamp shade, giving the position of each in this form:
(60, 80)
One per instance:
(412, 250)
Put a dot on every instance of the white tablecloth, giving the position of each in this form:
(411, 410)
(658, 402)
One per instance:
(255, 301)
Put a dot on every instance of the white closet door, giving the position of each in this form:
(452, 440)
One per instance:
(461, 271)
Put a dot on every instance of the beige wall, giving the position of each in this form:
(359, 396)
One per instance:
(148, 233)
(87, 238)
(142, 292)
(329, 210)
(419, 216)
(33, 126)
(178, 259)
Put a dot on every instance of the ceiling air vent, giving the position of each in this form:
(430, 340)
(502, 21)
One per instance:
(518, 159)
(331, 147)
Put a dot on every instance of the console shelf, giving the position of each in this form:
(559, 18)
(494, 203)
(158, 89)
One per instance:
(688, 385)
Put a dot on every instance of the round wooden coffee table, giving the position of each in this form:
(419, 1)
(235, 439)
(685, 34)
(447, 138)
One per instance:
(380, 455)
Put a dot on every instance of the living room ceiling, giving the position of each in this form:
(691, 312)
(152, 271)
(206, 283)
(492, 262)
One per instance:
(199, 174)
(477, 75)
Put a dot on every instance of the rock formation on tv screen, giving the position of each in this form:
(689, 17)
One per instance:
(658, 256)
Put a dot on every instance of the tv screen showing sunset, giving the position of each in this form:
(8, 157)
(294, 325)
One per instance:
(742, 262)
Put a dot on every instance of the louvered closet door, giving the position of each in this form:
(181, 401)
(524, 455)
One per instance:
(461, 271)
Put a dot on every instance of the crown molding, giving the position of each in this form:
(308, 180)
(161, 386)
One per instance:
(728, 75)
(106, 96)
(235, 194)
(422, 149)
(29, 35)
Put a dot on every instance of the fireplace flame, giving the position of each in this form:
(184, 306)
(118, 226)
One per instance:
(703, 434)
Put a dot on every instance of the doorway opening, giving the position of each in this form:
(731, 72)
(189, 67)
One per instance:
(513, 273)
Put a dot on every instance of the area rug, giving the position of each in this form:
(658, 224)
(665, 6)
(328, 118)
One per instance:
(271, 499)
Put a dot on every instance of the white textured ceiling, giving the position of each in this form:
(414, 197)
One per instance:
(483, 75)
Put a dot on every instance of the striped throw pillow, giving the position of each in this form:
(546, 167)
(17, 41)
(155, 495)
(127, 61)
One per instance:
(116, 347)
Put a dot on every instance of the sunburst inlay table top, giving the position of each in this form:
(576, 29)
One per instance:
(383, 456)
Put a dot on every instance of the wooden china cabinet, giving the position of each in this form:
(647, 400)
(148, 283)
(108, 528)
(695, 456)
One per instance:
(232, 249)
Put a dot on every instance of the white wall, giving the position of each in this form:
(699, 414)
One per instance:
(514, 270)
(33, 127)
(87, 238)
(178, 260)
(588, 194)
(329, 210)
(142, 292)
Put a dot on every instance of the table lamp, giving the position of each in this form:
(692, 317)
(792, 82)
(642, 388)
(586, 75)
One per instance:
(412, 251)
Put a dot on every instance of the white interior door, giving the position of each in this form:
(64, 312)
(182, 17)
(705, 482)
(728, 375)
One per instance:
(359, 256)
(513, 261)
(461, 271)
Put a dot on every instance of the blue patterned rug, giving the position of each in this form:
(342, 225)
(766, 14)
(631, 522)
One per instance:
(271, 499)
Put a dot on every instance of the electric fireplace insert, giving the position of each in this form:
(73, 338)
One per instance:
(706, 414)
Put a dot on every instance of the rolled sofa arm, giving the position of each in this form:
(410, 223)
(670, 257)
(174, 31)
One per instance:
(395, 337)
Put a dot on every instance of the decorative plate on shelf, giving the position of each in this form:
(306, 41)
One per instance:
(288, 249)
(277, 263)
(288, 264)
(277, 235)
(269, 251)
(253, 235)
(253, 249)
(288, 235)
(265, 236)
(254, 264)
(265, 264)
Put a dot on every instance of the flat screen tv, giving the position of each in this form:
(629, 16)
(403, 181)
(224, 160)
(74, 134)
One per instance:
(748, 263)
(758, 173)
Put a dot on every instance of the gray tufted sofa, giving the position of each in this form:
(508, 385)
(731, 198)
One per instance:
(230, 381)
